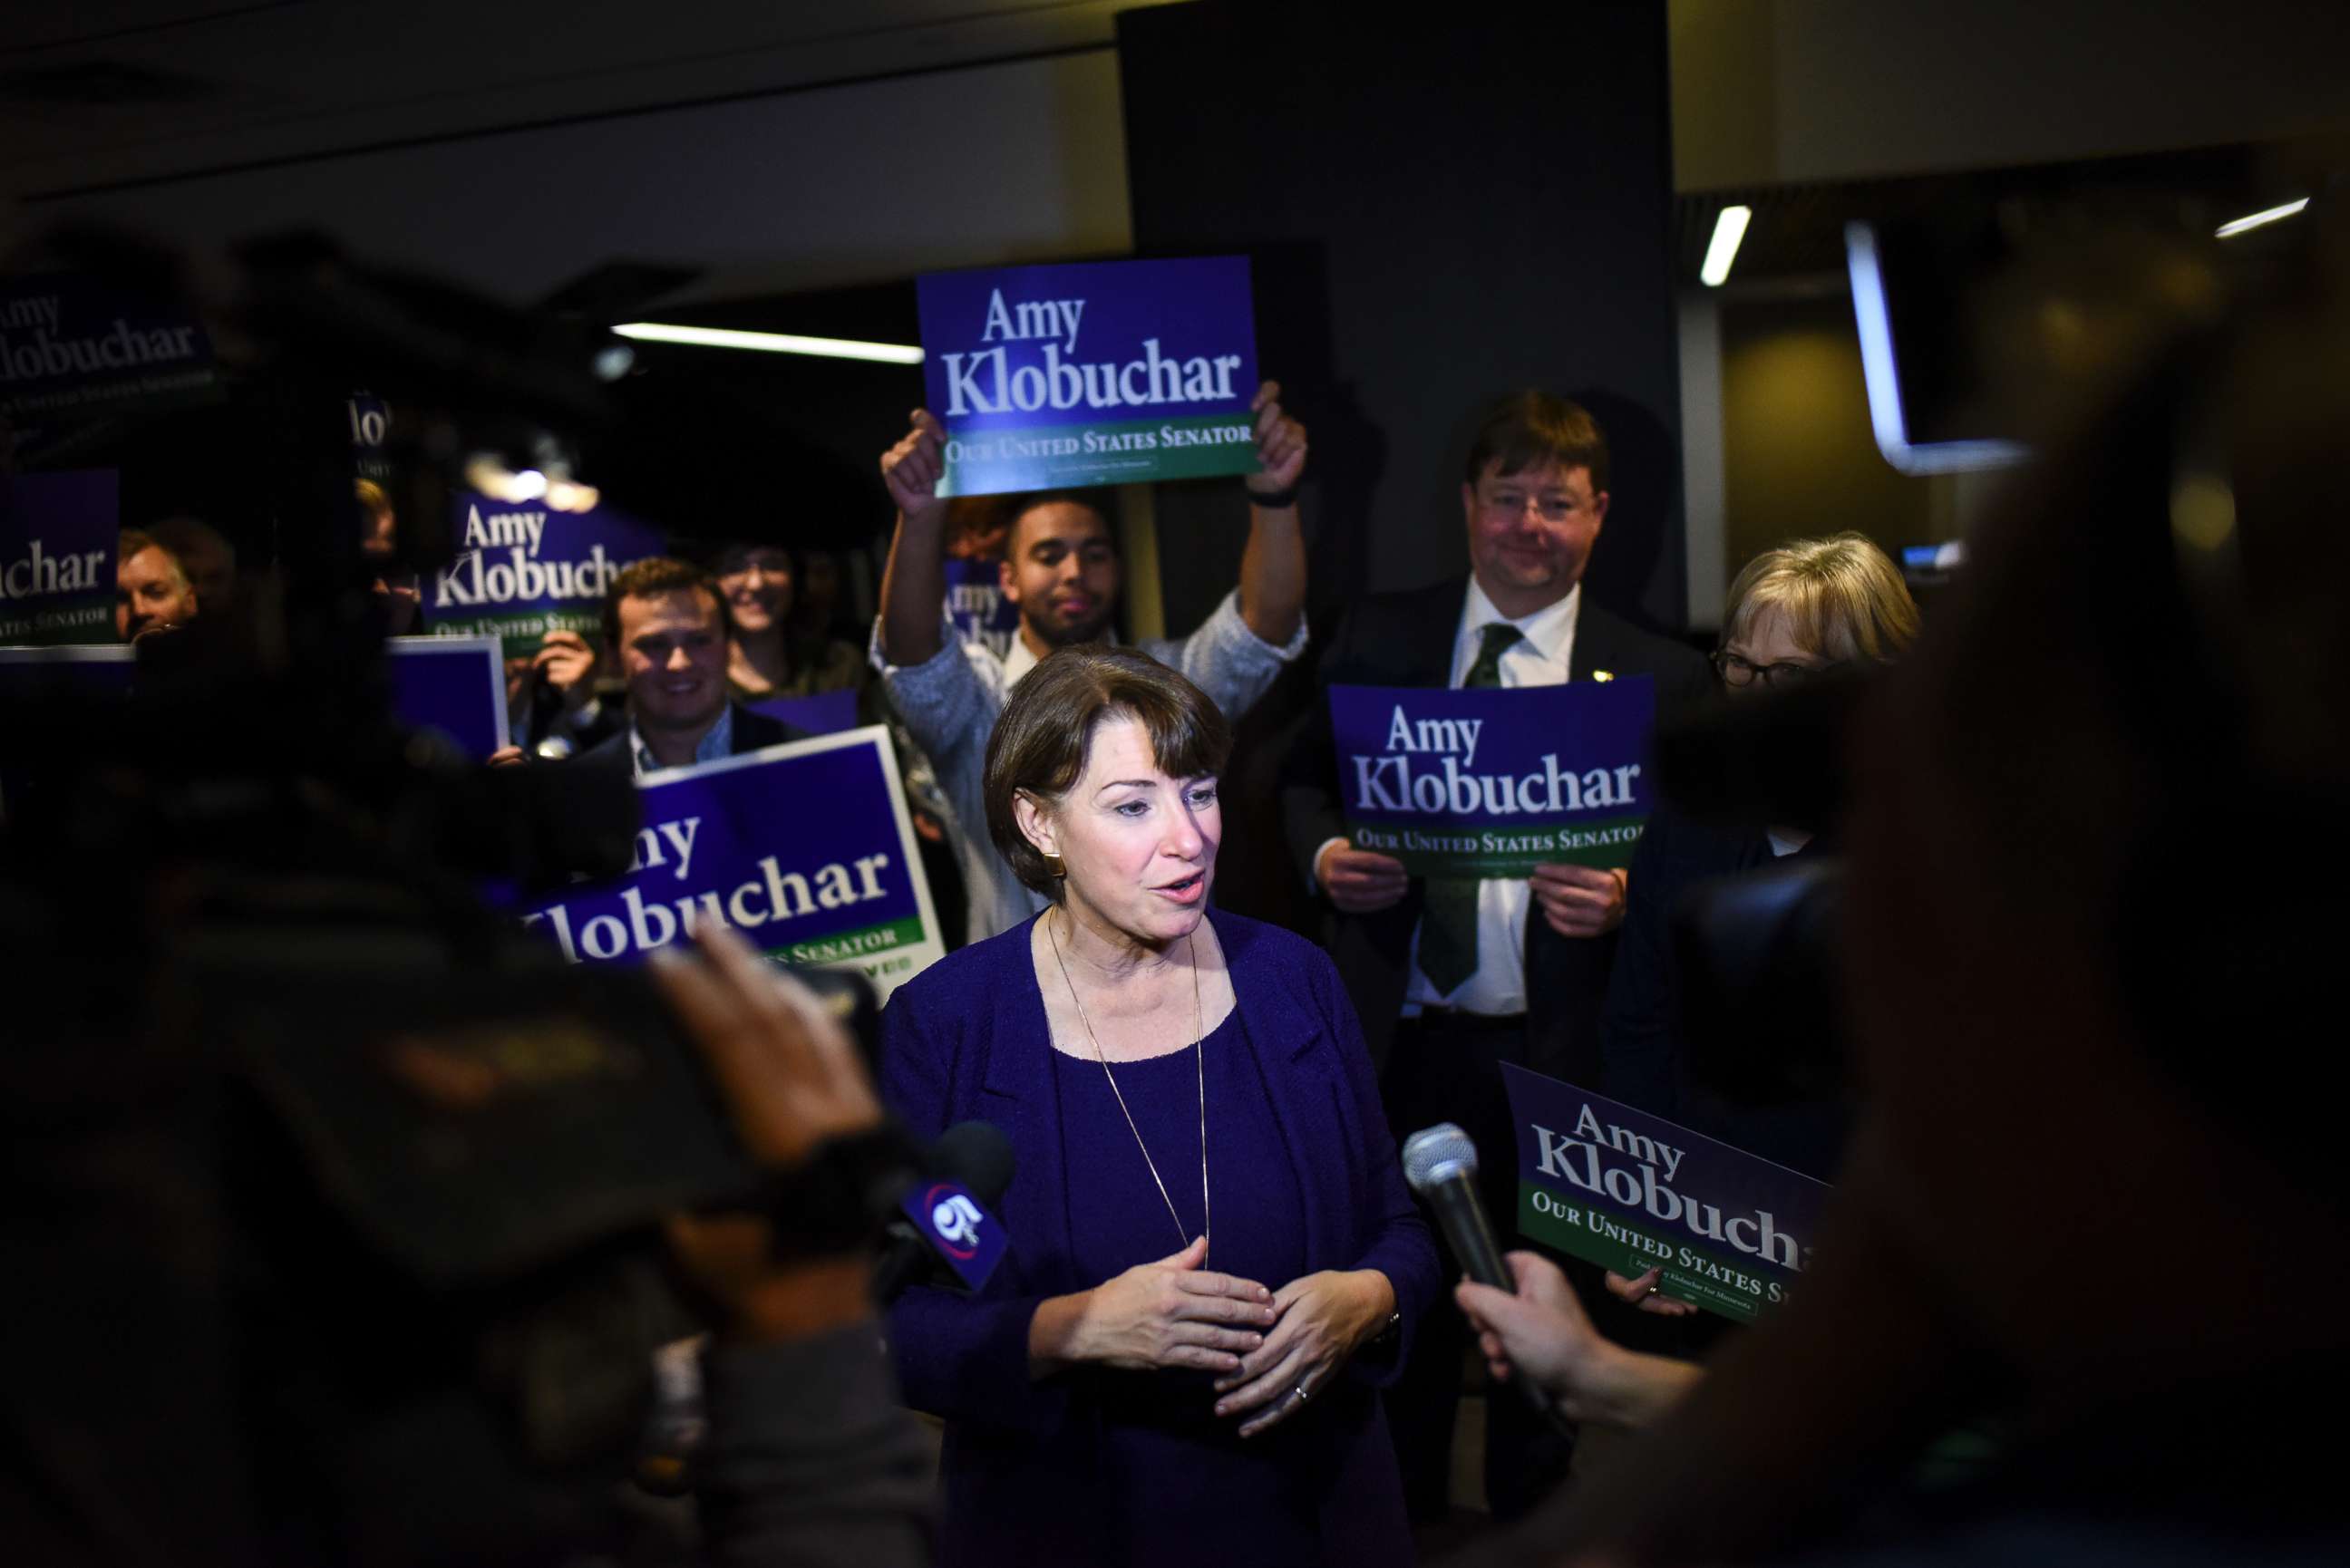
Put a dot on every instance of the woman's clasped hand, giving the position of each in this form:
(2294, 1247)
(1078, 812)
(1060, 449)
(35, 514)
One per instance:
(1172, 1313)
(1324, 1318)
(1269, 1349)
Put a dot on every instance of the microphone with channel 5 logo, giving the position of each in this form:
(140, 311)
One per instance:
(949, 1226)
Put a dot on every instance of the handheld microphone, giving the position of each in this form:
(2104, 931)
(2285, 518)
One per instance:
(1439, 1163)
(950, 1221)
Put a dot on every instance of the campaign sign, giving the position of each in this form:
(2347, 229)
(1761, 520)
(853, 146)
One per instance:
(75, 347)
(525, 569)
(456, 685)
(976, 605)
(1727, 1231)
(958, 1228)
(1495, 780)
(1090, 373)
(100, 670)
(825, 713)
(804, 848)
(56, 555)
(371, 422)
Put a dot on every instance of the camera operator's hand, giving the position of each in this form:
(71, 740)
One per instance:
(1580, 900)
(791, 1079)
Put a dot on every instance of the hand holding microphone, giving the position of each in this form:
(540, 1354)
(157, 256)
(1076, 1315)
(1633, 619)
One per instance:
(1440, 1165)
(1527, 1318)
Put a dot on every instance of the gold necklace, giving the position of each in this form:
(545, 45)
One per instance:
(1200, 1050)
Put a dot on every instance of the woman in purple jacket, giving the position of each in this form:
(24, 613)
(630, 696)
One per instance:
(1214, 1262)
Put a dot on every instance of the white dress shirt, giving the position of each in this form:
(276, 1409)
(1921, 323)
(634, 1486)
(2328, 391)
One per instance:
(1539, 657)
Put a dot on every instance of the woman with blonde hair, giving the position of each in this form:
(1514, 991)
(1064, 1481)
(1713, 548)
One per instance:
(1796, 612)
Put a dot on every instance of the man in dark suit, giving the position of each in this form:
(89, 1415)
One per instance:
(1451, 979)
(665, 621)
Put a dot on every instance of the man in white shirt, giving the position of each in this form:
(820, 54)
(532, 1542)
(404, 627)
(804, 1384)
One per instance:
(1452, 978)
(1061, 568)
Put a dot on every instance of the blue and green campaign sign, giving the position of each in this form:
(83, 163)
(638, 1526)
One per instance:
(1091, 373)
(1727, 1231)
(73, 347)
(1495, 780)
(804, 848)
(56, 555)
(523, 569)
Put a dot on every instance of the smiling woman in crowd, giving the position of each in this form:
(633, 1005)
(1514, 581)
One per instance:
(770, 652)
(1214, 1260)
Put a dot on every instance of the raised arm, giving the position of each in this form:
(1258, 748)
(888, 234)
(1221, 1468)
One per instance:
(1272, 566)
(914, 583)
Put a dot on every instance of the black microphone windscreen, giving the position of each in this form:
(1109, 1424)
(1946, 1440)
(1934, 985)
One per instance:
(977, 1154)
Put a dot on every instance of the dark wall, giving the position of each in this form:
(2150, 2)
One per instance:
(1437, 214)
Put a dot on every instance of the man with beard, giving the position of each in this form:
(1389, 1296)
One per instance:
(1061, 568)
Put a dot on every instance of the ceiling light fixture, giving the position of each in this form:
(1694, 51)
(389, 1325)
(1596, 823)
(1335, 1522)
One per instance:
(2229, 231)
(772, 342)
(1728, 230)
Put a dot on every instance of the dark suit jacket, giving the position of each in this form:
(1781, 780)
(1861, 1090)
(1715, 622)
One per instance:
(1642, 1059)
(966, 1039)
(1644, 1053)
(752, 731)
(1405, 639)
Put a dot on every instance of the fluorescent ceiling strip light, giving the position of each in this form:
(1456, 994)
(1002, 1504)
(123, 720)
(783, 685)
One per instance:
(772, 342)
(2229, 231)
(1728, 230)
(1883, 382)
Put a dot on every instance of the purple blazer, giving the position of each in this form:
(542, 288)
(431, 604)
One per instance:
(968, 1039)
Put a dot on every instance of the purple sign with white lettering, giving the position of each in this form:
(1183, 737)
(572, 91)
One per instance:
(976, 605)
(1091, 373)
(525, 569)
(958, 1227)
(74, 347)
(56, 555)
(804, 849)
(1498, 780)
(1728, 1231)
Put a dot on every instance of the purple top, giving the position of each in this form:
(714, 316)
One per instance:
(1090, 1466)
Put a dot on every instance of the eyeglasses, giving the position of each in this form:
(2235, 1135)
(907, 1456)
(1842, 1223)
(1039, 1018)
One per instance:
(1735, 671)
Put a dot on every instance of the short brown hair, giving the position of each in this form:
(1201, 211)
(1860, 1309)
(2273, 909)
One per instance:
(132, 541)
(658, 574)
(1531, 427)
(1046, 731)
(1843, 599)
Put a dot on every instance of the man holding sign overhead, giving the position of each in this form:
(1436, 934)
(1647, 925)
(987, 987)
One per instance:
(1061, 568)
(1454, 974)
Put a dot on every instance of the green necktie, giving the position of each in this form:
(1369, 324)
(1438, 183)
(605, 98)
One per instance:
(1448, 920)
